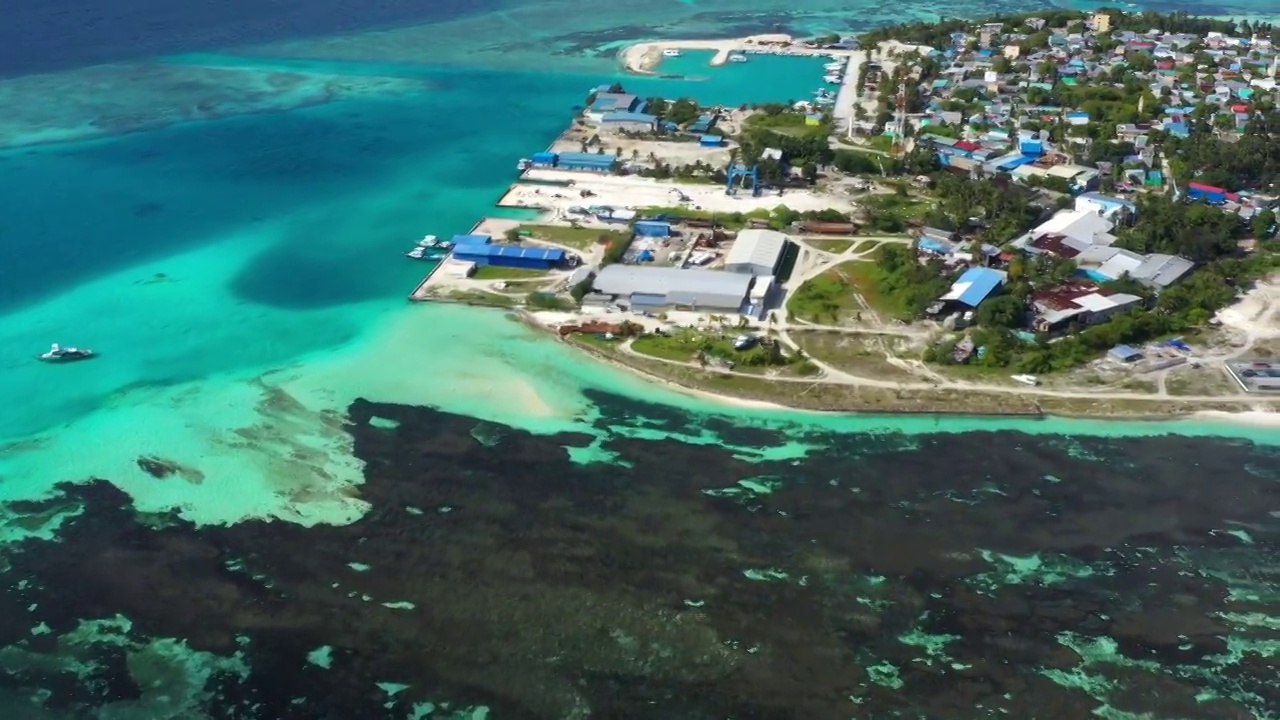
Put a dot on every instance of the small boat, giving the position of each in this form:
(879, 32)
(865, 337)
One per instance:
(524, 164)
(417, 253)
(738, 58)
(429, 241)
(833, 79)
(671, 52)
(833, 66)
(1026, 379)
(58, 354)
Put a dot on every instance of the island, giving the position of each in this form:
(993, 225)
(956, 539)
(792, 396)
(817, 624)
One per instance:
(1069, 213)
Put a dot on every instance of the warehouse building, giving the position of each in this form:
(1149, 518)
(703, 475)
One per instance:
(514, 256)
(586, 161)
(642, 288)
(628, 122)
(757, 252)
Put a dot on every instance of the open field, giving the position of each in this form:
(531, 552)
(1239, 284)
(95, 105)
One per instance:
(862, 355)
(581, 238)
(492, 272)
(828, 298)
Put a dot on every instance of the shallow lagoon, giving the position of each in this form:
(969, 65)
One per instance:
(242, 278)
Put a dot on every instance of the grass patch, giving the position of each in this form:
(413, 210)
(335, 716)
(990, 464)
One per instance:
(682, 347)
(866, 246)
(825, 298)
(575, 237)
(832, 245)
(689, 345)
(482, 297)
(862, 355)
(493, 272)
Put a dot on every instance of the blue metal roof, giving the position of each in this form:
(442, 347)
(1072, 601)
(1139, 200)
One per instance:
(490, 251)
(1124, 352)
(581, 158)
(459, 240)
(982, 282)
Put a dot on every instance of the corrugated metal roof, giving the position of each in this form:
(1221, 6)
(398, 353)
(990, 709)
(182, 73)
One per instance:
(757, 247)
(509, 251)
(632, 279)
(974, 286)
(581, 158)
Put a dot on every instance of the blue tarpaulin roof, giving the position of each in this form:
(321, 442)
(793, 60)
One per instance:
(490, 251)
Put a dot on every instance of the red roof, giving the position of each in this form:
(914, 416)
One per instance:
(966, 145)
(1206, 188)
(1063, 296)
(1239, 107)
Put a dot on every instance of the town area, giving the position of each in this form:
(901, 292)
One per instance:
(1071, 213)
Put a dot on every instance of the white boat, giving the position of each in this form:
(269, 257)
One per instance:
(833, 66)
(738, 57)
(671, 52)
(428, 241)
(1026, 379)
(59, 354)
(416, 253)
(833, 79)
(524, 164)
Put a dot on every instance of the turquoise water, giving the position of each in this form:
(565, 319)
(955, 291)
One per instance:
(242, 275)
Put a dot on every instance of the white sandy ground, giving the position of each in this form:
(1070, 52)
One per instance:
(639, 192)
(643, 57)
(1257, 418)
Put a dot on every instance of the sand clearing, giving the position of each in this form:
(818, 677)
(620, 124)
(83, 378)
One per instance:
(639, 192)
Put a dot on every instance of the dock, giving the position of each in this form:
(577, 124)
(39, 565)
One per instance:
(496, 227)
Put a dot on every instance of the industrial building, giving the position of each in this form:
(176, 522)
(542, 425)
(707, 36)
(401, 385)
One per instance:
(585, 161)
(757, 252)
(659, 288)
(607, 102)
(628, 122)
(514, 256)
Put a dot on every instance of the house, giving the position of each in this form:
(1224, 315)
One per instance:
(1107, 206)
(974, 286)
(1078, 229)
(1124, 353)
(1082, 303)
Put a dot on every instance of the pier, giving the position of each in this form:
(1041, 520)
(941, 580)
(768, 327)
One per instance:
(847, 97)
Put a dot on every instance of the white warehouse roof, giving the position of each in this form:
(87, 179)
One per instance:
(629, 279)
(756, 247)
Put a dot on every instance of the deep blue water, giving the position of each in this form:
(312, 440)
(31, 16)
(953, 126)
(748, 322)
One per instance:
(47, 35)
